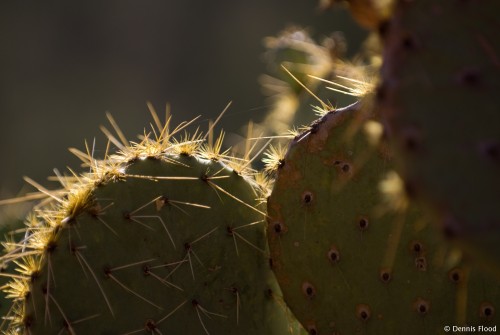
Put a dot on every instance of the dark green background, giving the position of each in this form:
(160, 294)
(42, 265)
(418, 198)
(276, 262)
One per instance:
(63, 64)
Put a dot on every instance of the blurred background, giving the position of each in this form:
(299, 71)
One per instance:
(64, 64)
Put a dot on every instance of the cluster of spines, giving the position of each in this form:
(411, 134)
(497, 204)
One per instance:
(61, 207)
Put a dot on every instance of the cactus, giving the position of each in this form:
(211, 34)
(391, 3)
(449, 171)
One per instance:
(352, 259)
(439, 96)
(167, 236)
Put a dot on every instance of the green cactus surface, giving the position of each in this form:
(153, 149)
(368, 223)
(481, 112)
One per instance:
(439, 97)
(351, 253)
(162, 238)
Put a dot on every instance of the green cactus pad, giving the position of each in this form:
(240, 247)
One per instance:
(440, 99)
(350, 262)
(156, 240)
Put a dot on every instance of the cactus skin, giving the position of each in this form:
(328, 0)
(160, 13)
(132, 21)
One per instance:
(130, 252)
(347, 263)
(440, 98)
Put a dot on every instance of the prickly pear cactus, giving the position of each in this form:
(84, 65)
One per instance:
(440, 99)
(162, 238)
(351, 253)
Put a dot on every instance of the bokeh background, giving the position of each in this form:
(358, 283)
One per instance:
(63, 64)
